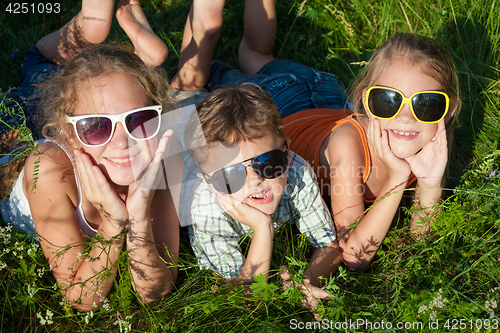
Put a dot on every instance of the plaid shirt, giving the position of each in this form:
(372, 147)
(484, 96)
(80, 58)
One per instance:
(215, 236)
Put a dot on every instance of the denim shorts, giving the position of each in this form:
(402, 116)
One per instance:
(293, 86)
(26, 98)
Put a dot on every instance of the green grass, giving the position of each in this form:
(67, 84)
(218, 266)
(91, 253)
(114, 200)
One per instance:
(458, 263)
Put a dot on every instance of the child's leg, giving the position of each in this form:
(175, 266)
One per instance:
(147, 45)
(90, 25)
(200, 37)
(257, 45)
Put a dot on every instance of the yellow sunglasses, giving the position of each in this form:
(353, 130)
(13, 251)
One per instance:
(427, 106)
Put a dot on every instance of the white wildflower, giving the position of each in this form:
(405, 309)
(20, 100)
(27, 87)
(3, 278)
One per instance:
(32, 289)
(491, 306)
(124, 325)
(437, 302)
(89, 316)
(42, 320)
(47, 320)
(105, 303)
(32, 250)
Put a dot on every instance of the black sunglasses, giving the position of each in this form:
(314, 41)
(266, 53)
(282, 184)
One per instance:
(231, 179)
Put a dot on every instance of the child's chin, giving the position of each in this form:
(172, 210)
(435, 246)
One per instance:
(404, 153)
(266, 209)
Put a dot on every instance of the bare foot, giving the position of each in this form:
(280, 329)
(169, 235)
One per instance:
(147, 45)
(97, 16)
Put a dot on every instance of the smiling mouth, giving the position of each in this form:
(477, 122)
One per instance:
(262, 195)
(404, 133)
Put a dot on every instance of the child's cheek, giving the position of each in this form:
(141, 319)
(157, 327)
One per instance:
(278, 185)
(240, 195)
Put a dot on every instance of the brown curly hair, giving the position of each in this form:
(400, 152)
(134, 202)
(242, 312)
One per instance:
(231, 114)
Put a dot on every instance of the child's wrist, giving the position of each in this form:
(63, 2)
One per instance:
(265, 226)
(425, 183)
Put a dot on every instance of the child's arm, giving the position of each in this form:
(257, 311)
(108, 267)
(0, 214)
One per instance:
(429, 166)
(215, 237)
(346, 158)
(201, 33)
(153, 223)
(84, 272)
(258, 260)
(314, 220)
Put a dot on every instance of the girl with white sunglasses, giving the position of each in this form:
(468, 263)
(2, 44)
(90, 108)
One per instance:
(80, 192)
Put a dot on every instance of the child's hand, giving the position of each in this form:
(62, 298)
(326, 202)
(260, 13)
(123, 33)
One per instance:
(141, 192)
(99, 192)
(244, 213)
(430, 163)
(311, 293)
(378, 140)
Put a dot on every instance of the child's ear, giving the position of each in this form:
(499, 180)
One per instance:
(69, 135)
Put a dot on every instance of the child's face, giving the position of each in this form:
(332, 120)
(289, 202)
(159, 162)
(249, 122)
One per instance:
(261, 193)
(406, 134)
(113, 94)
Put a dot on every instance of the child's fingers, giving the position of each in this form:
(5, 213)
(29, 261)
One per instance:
(285, 276)
(149, 177)
(284, 273)
(441, 136)
(84, 166)
(162, 146)
(101, 181)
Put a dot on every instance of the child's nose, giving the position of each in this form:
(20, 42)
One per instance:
(120, 137)
(406, 115)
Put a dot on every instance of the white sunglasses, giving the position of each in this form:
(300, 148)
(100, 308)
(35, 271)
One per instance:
(97, 129)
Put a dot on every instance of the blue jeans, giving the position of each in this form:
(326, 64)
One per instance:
(26, 98)
(293, 86)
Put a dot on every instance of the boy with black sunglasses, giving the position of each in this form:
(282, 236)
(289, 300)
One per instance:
(253, 185)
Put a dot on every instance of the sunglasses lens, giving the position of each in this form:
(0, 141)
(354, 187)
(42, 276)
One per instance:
(429, 107)
(270, 165)
(384, 103)
(94, 130)
(229, 180)
(143, 124)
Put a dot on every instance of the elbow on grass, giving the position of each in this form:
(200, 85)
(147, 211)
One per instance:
(357, 265)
